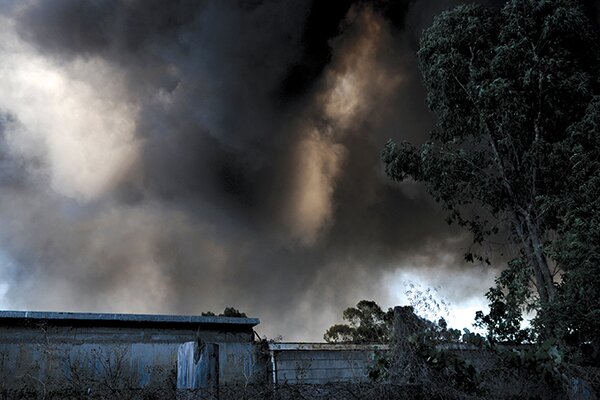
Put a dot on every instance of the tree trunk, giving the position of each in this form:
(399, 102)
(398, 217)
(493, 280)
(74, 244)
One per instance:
(541, 263)
(532, 246)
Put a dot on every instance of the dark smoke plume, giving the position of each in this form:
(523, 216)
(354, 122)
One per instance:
(185, 156)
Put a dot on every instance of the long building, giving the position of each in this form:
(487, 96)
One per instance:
(42, 350)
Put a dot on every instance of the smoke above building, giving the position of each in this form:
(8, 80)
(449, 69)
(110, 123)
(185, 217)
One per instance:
(185, 156)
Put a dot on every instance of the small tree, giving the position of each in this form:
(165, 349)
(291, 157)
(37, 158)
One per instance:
(367, 323)
(232, 312)
(228, 312)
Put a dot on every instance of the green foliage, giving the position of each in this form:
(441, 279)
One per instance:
(228, 312)
(429, 349)
(515, 153)
(507, 300)
(232, 312)
(543, 361)
(379, 369)
(459, 373)
(418, 348)
(577, 249)
(474, 339)
(429, 354)
(367, 323)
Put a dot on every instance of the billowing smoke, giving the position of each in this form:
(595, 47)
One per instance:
(352, 90)
(179, 157)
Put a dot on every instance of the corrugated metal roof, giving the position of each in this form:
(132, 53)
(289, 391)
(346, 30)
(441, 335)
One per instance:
(8, 316)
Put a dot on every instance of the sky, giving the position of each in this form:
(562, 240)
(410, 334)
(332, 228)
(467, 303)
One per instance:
(187, 156)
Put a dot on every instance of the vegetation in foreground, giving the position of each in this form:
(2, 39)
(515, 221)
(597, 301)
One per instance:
(515, 159)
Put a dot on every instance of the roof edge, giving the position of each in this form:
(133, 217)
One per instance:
(114, 317)
(319, 346)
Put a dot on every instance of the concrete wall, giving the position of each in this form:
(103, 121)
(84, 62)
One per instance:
(208, 365)
(136, 352)
(317, 363)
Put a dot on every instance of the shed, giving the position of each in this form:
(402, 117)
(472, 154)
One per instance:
(134, 350)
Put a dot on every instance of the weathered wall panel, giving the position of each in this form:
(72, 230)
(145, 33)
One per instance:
(198, 365)
(294, 363)
(202, 365)
(62, 352)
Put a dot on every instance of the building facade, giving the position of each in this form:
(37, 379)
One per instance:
(42, 349)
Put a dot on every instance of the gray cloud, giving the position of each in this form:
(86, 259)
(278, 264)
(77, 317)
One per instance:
(186, 156)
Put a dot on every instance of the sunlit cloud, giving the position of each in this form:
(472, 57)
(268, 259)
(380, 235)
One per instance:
(72, 116)
(353, 85)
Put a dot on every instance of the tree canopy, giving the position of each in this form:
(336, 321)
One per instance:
(515, 146)
(367, 323)
(228, 312)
